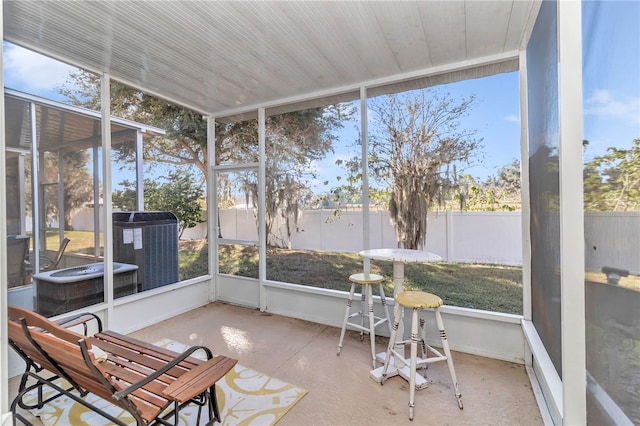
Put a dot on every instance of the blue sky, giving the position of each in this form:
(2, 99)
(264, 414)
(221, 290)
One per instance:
(611, 75)
(33, 73)
(495, 115)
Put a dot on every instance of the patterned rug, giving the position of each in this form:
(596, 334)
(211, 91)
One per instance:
(245, 397)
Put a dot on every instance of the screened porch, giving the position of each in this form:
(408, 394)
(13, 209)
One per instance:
(246, 66)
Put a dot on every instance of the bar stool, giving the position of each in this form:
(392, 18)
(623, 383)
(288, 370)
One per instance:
(366, 281)
(417, 300)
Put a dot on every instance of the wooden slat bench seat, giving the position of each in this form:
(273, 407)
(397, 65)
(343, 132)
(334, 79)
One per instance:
(195, 381)
(151, 383)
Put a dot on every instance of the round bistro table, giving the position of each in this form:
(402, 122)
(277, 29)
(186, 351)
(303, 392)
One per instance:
(399, 257)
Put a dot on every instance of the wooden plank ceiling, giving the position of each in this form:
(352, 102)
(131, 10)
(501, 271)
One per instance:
(230, 56)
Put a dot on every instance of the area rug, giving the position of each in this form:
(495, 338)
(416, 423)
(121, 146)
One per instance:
(245, 397)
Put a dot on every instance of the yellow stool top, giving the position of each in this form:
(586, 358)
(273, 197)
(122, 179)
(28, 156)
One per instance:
(366, 278)
(418, 299)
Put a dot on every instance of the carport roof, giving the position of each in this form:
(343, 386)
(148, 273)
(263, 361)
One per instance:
(226, 57)
(62, 127)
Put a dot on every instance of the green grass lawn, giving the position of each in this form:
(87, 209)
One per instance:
(489, 287)
(80, 241)
(480, 286)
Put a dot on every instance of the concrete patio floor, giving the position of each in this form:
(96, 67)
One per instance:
(340, 391)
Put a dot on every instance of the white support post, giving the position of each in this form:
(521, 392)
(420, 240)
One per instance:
(262, 227)
(139, 172)
(96, 199)
(61, 189)
(212, 208)
(105, 109)
(571, 213)
(36, 172)
(366, 215)
(22, 190)
(524, 190)
(4, 346)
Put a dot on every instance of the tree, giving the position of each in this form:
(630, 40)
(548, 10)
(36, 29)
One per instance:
(76, 180)
(416, 139)
(125, 198)
(497, 193)
(612, 180)
(185, 143)
(294, 140)
(180, 195)
(351, 191)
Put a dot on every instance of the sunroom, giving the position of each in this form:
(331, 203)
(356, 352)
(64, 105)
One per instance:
(245, 62)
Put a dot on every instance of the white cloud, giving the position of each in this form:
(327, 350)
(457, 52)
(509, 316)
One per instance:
(31, 72)
(602, 103)
(512, 118)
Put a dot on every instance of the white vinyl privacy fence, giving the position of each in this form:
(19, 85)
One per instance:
(483, 237)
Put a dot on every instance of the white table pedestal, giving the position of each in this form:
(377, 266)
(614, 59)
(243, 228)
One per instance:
(392, 371)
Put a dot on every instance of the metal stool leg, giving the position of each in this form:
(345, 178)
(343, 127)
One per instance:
(383, 300)
(392, 341)
(447, 352)
(423, 345)
(363, 299)
(372, 326)
(412, 367)
(346, 316)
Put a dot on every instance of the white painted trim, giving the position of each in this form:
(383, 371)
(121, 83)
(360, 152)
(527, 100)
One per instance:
(82, 111)
(96, 198)
(446, 309)
(132, 298)
(35, 184)
(531, 21)
(442, 69)
(547, 420)
(571, 212)
(475, 332)
(241, 291)
(130, 316)
(7, 418)
(212, 205)
(240, 242)
(606, 404)
(18, 150)
(480, 314)
(4, 345)
(236, 167)
(139, 171)
(327, 292)
(548, 379)
(524, 189)
(262, 226)
(366, 211)
(105, 109)
(53, 55)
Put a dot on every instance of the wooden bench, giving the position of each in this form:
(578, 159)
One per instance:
(151, 383)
